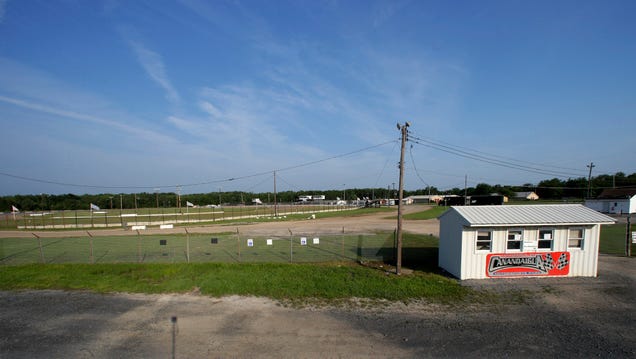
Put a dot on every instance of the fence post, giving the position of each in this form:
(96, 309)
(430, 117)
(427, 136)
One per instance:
(343, 240)
(238, 242)
(291, 246)
(187, 245)
(40, 245)
(174, 335)
(395, 245)
(138, 247)
(90, 236)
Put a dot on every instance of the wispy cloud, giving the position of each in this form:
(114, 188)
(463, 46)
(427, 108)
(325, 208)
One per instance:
(153, 64)
(147, 134)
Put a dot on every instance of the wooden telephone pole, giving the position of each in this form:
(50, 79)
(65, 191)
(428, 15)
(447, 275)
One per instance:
(589, 180)
(404, 130)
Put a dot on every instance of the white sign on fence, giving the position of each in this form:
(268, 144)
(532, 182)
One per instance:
(270, 242)
(250, 242)
(303, 241)
(633, 237)
(136, 228)
(316, 240)
(166, 226)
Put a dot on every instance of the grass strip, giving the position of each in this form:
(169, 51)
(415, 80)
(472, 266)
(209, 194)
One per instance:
(612, 239)
(278, 281)
(430, 213)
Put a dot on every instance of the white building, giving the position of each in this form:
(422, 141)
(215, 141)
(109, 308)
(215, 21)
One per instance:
(527, 195)
(614, 200)
(423, 198)
(518, 241)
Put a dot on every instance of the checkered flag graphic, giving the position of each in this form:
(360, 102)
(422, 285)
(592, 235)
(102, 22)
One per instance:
(563, 261)
(548, 263)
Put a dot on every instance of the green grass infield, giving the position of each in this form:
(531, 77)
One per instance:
(329, 281)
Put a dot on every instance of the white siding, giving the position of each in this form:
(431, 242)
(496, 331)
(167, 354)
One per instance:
(458, 254)
(474, 261)
(472, 265)
(597, 205)
(613, 206)
(584, 262)
(450, 244)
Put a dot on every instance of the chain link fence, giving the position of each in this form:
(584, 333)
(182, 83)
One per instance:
(190, 247)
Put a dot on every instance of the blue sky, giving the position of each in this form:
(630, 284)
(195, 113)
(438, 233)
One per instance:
(123, 96)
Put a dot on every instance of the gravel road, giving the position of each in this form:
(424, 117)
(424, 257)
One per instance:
(567, 317)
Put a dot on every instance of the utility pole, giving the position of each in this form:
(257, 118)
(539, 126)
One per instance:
(275, 203)
(179, 197)
(628, 243)
(465, 190)
(404, 130)
(589, 180)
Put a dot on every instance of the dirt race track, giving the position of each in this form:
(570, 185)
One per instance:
(561, 317)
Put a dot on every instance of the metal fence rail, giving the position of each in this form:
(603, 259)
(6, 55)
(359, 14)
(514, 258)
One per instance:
(179, 248)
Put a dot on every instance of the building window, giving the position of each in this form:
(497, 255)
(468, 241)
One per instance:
(576, 237)
(515, 237)
(546, 237)
(484, 241)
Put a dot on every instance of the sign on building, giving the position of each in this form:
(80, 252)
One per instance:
(527, 264)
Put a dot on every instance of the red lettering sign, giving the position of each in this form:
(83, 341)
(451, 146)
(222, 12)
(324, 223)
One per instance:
(500, 265)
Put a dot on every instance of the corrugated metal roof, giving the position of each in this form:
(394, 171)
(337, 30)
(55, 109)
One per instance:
(545, 214)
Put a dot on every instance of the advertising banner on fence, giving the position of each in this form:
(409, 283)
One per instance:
(500, 265)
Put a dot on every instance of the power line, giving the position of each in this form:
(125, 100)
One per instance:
(481, 158)
(79, 185)
(289, 184)
(415, 168)
(385, 164)
(472, 150)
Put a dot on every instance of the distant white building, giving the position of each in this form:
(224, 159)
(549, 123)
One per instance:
(311, 198)
(526, 195)
(519, 241)
(425, 198)
(614, 201)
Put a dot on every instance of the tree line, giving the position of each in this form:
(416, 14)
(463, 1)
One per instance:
(547, 189)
